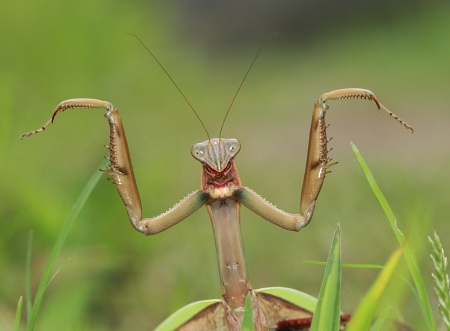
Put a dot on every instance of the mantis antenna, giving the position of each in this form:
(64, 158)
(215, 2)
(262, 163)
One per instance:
(171, 79)
(242, 83)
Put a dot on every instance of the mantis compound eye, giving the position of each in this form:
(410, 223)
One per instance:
(233, 147)
(198, 151)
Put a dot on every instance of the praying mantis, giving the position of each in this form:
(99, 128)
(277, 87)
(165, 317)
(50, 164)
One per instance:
(223, 194)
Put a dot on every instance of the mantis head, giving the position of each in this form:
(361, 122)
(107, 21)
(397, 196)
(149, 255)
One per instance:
(216, 154)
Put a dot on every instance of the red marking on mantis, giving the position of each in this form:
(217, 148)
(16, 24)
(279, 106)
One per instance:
(303, 323)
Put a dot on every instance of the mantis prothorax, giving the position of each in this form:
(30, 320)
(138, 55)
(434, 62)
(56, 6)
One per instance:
(222, 194)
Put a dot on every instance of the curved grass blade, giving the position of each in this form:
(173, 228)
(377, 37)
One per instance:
(18, 314)
(67, 226)
(411, 261)
(28, 300)
(327, 315)
(367, 309)
(377, 326)
(350, 265)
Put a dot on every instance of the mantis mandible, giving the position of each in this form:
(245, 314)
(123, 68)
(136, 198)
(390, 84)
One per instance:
(223, 194)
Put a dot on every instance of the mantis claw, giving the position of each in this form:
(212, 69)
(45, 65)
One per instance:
(352, 93)
(26, 135)
(398, 119)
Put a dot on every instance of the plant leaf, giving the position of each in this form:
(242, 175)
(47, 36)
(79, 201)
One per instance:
(18, 314)
(350, 265)
(301, 299)
(327, 315)
(366, 310)
(411, 261)
(247, 323)
(28, 300)
(184, 314)
(46, 277)
(380, 320)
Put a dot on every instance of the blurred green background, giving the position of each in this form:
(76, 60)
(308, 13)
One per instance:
(116, 279)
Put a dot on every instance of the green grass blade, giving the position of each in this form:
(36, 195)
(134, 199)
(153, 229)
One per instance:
(379, 195)
(247, 323)
(377, 326)
(367, 309)
(327, 315)
(46, 277)
(18, 314)
(411, 261)
(350, 265)
(28, 300)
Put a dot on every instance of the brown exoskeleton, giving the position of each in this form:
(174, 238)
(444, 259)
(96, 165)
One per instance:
(223, 194)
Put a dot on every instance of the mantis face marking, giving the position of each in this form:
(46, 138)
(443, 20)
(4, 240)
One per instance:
(219, 175)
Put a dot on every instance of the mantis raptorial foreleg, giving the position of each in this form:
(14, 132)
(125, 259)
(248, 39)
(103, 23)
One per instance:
(122, 173)
(317, 165)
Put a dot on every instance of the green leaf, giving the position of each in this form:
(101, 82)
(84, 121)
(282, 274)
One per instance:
(247, 323)
(350, 265)
(47, 276)
(301, 299)
(18, 314)
(28, 300)
(367, 309)
(327, 315)
(411, 261)
(184, 314)
(377, 326)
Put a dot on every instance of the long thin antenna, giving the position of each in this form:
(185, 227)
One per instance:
(171, 79)
(242, 83)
